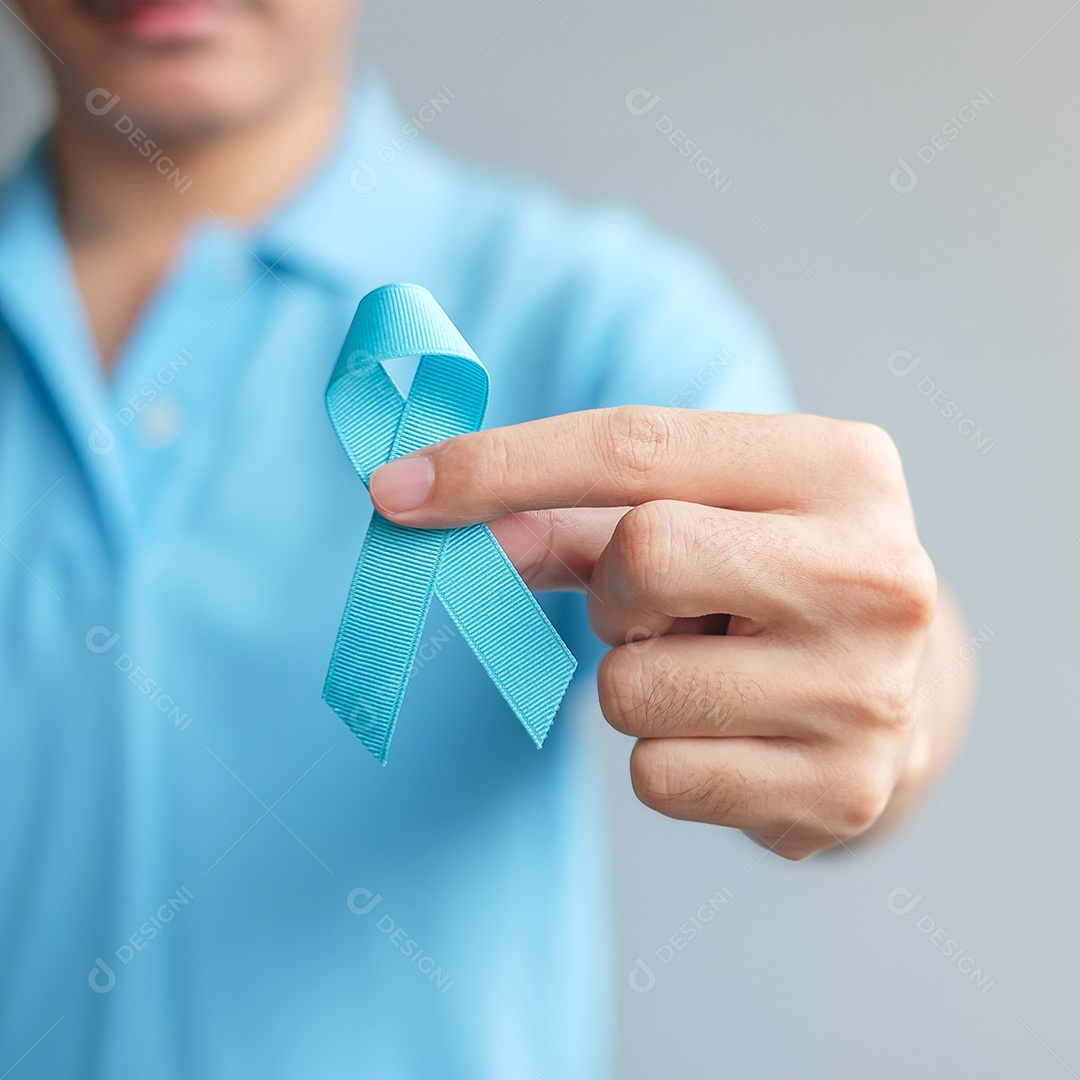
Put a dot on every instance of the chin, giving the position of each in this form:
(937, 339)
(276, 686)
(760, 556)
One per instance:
(192, 106)
(186, 67)
(178, 96)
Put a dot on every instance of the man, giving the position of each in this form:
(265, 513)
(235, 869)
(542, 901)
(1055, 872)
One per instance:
(203, 873)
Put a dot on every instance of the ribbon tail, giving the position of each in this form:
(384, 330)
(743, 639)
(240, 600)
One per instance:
(505, 627)
(380, 629)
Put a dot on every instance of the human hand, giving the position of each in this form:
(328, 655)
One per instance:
(759, 579)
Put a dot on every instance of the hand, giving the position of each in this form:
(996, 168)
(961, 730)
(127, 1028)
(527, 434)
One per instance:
(759, 579)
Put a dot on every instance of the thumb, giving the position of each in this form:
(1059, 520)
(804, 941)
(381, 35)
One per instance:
(557, 549)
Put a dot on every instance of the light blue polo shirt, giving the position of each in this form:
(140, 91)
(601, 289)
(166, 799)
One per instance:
(203, 873)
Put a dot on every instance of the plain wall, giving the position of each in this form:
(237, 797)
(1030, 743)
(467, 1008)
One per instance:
(807, 107)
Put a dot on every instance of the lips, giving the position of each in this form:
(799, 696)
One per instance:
(119, 9)
(158, 21)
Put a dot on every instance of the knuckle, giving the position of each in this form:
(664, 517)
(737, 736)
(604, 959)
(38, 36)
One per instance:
(886, 702)
(859, 798)
(651, 775)
(898, 585)
(874, 700)
(902, 586)
(638, 437)
(869, 449)
(645, 546)
(915, 588)
(620, 686)
(649, 697)
(664, 782)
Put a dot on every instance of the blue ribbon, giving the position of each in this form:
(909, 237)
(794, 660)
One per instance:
(399, 569)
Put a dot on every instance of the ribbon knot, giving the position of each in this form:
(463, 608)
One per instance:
(399, 569)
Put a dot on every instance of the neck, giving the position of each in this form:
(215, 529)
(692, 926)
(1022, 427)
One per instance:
(110, 188)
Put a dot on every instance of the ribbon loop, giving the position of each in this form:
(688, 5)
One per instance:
(399, 569)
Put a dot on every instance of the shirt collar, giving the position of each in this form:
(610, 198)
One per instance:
(355, 207)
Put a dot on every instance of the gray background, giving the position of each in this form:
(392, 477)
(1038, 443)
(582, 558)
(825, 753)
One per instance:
(807, 106)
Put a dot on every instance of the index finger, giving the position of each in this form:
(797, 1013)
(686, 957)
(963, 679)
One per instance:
(609, 457)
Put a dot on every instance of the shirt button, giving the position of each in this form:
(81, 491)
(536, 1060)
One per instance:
(160, 424)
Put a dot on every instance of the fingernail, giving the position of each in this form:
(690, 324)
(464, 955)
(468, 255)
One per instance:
(404, 484)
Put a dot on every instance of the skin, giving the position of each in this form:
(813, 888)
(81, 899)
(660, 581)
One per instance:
(770, 610)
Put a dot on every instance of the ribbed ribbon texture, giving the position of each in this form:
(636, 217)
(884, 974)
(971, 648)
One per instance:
(399, 569)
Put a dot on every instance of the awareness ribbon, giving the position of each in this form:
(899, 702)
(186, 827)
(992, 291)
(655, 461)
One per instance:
(399, 569)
